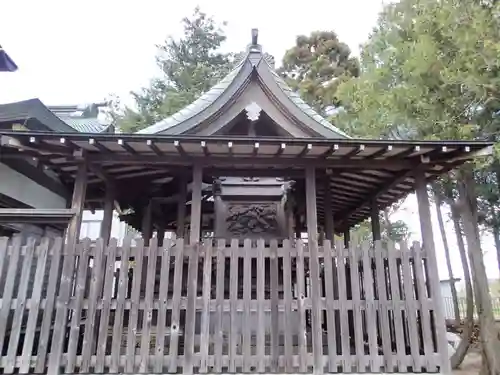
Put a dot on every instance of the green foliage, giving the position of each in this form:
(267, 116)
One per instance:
(391, 230)
(429, 70)
(189, 66)
(316, 66)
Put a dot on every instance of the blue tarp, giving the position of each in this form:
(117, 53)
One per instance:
(6, 63)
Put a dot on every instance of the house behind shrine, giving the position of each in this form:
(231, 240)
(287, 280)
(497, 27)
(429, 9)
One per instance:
(239, 175)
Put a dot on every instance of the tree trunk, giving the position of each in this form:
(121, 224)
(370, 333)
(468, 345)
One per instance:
(488, 336)
(454, 295)
(460, 353)
(496, 235)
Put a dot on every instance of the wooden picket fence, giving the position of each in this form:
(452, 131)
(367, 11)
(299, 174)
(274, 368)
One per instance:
(216, 307)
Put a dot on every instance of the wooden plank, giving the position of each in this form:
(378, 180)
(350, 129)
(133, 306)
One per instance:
(411, 309)
(148, 311)
(219, 296)
(175, 322)
(383, 308)
(301, 289)
(356, 300)
(287, 294)
(330, 310)
(81, 279)
(77, 205)
(195, 227)
(274, 306)
(371, 323)
(9, 287)
(116, 345)
(94, 295)
(34, 305)
(106, 304)
(312, 232)
(15, 329)
(4, 247)
(54, 279)
(192, 290)
(205, 314)
(344, 322)
(396, 307)
(261, 331)
(162, 313)
(139, 254)
(181, 206)
(247, 296)
(233, 296)
(62, 308)
(425, 315)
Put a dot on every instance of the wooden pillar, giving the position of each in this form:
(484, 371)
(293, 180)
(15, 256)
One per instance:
(312, 235)
(181, 206)
(375, 219)
(298, 227)
(329, 229)
(195, 224)
(160, 234)
(147, 222)
(347, 237)
(107, 218)
(77, 203)
(428, 244)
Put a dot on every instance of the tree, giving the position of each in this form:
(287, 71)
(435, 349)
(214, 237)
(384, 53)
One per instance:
(316, 66)
(189, 67)
(430, 70)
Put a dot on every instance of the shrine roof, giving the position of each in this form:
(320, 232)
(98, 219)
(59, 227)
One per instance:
(360, 171)
(253, 66)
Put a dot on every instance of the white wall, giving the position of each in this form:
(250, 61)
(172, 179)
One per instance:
(19, 187)
(91, 226)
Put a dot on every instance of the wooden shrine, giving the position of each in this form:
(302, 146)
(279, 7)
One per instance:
(238, 198)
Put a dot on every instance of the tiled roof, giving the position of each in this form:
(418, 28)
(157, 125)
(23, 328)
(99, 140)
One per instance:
(195, 107)
(206, 100)
(81, 118)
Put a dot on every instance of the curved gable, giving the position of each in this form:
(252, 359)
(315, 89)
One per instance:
(226, 100)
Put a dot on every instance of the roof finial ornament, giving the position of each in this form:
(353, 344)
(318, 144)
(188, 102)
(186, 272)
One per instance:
(255, 36)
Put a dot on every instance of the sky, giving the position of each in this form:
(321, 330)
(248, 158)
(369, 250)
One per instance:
(72, 52)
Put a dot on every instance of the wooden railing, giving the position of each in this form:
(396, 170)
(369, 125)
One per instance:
(216, 308)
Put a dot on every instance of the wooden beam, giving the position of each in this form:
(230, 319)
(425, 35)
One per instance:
(354, 152)
(154, 147)
(329, 229)
(306, 150)
(181, 206)
(147, 222)
(375, 220)
(398, 178)
(332, 150)
(312, 232)
(281, 149)
(195, 227)
(36, 215)
(107, 220)
(99, 146)
(264, 162)
(127, 147)
(347, 237)
(381, 152)
(204, 147)
(77, 204)
(430, 250)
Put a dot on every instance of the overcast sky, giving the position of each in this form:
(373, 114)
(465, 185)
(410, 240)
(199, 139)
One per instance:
(72, 52)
